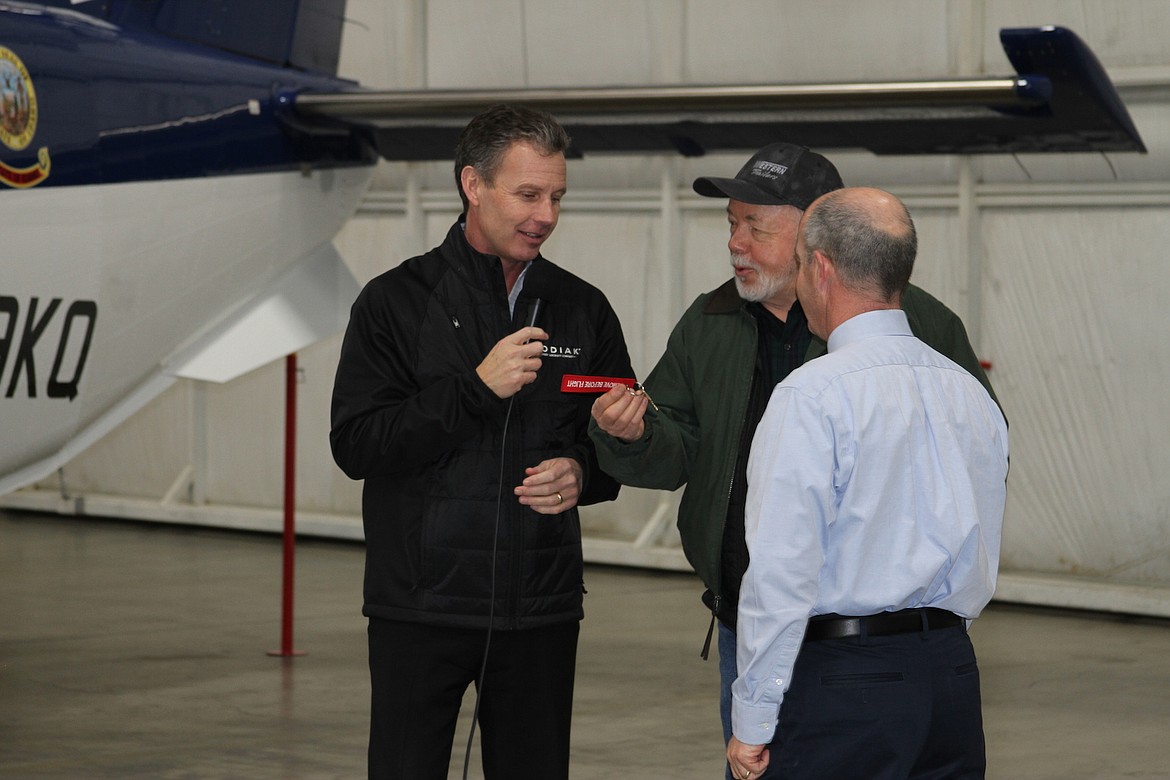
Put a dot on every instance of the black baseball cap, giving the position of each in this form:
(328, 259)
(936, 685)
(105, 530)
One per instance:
(780, 174)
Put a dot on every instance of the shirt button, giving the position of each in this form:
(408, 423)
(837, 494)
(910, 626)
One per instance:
(779, 682)
(765, 726)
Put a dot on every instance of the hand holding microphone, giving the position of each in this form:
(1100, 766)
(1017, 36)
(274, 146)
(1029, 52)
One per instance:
(515, 359)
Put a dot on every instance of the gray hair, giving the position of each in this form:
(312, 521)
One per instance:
(872, 248)
(489, 135)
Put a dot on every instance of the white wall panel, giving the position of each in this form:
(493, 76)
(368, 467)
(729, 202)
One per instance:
(605, 42)
(761, 41)
(245, 439)
(706, 260)
(861, 168)
(1079, 339)
(940, 268)
(321, 486)
(510, 43)
(480, 44)
(383, 44)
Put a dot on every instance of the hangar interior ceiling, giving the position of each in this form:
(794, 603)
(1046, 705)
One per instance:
(1055, 262)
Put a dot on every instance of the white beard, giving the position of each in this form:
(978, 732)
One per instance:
(763, 288)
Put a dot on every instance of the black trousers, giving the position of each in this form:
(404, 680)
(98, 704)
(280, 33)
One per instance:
(419, 673)
(883, 708)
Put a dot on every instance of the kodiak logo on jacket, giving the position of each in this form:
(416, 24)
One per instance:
(556, 351)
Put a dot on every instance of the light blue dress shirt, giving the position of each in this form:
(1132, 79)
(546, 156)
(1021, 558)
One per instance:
(876, 482)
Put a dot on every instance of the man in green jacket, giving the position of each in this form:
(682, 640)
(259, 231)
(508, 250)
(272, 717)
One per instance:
(724, 357)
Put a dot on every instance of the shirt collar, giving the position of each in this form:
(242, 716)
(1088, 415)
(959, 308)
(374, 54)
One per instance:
(517, 287)
(882, 322)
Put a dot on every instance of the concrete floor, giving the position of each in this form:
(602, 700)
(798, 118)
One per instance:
(135, 651)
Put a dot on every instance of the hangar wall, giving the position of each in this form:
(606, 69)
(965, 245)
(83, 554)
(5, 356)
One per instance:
(1054, 262)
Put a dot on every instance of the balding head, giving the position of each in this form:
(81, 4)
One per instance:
(869, 236)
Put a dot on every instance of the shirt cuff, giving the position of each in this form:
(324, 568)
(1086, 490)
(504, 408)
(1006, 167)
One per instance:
(753, 724)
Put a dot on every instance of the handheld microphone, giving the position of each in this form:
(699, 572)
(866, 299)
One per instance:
(534, 307)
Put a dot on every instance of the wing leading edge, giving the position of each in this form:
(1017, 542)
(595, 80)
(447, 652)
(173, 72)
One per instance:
(1060, 100)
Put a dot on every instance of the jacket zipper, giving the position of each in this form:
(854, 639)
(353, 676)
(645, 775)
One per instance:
(513, 457)
(516, 527)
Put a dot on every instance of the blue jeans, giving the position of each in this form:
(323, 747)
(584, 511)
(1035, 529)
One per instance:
(727, 674)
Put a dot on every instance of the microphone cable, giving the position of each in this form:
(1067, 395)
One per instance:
(492, 599)
(533, 311)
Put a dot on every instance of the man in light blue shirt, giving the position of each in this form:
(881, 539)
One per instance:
(876, 488)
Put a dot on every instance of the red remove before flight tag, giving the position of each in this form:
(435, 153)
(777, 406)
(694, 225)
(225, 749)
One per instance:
(575, 383)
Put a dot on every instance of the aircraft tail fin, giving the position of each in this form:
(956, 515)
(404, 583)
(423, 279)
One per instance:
(303, 34)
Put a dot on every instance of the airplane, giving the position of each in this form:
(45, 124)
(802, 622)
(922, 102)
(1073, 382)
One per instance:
(173, 172)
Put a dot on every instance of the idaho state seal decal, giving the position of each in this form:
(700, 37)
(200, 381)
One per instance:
(18, 121)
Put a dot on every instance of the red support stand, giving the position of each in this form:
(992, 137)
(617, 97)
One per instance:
(290, 499)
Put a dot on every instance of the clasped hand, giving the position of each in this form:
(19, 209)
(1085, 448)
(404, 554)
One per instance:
(552, 486)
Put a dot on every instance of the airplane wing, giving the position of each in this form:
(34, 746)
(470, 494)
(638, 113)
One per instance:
(1059, 100)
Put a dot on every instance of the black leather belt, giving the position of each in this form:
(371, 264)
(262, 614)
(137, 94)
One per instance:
(906, 621)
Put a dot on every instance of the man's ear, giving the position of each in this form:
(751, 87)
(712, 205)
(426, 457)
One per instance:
(471, 181)
(823, 269)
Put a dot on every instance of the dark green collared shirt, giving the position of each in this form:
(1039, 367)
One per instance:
(782, 345)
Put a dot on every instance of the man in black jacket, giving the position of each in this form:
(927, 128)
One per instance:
(448, 403)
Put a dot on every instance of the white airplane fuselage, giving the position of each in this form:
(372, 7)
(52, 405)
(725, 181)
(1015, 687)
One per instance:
(160, 220)
(142, 274)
